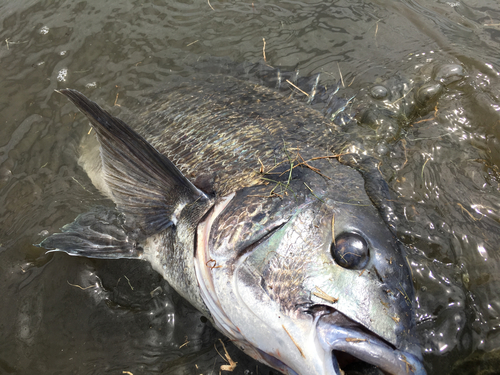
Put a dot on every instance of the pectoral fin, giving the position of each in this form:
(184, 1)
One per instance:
(102, 233)
(144, 184)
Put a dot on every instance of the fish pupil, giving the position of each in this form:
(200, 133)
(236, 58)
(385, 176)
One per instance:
(350, 251)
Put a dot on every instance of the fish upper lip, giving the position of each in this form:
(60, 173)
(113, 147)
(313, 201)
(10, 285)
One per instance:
(336, 332)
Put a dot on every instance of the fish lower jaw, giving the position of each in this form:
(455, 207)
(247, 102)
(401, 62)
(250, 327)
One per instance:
(355, 348)
(348, 363)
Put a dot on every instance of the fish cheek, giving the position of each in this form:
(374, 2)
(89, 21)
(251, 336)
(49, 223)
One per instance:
(282, 263)
(283, 280)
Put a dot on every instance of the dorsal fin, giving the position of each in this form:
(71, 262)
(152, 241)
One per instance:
(143, 182)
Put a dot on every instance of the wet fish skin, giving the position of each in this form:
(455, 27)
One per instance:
(259, 221)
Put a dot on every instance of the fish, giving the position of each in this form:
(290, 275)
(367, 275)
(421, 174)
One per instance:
(261, 213)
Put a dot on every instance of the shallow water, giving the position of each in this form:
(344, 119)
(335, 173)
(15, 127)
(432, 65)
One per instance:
(64, 315)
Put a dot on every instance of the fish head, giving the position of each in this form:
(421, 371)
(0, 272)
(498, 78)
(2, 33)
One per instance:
(311, 281)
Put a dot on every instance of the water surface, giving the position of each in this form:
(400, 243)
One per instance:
(63, 315)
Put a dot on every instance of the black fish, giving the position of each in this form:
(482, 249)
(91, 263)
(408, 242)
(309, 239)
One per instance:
(263, 215)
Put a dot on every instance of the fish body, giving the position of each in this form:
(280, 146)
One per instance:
(262, 214)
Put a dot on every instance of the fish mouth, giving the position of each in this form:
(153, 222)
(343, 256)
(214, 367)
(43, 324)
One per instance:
(357, 350)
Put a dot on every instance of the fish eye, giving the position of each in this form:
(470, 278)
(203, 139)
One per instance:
(350, 251)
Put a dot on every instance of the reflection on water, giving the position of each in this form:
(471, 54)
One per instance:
(70, 315)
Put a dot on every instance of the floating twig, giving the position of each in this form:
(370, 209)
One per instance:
(422, 173)
(261, 166)
(291, 338)
(403, 142)
(130, 285)
(333, 229)
(405, 295)
(352, 339)
(212, 263)
(187, 342)
(116, 99)
(409, 366)
(341, 78)
(7, 42)
(312, 192)
(81, 287)
(395, 318)
(298, 88)
(464, 209)
(386, 305)
(321, 294)
(78, 182)
(264, 48)
(232, 365)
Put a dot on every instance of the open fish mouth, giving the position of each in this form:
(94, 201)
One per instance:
(355, 348)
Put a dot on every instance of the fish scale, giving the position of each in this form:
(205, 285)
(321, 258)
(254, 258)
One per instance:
(264, 128)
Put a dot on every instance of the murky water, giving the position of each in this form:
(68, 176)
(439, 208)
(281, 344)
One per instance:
(63, 315)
